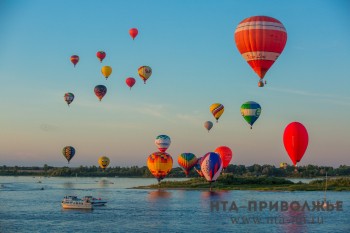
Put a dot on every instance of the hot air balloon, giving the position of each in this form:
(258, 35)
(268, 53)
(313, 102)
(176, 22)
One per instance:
(68, 152)
(74, 59)
(217, 110)
(197, 166)
(283, 165)
(159, 164)
(145, 72)
(103, 161)
(295, 139)
(211, 166)
(106, 71)
(250, 111)
(260, 40)
(162, 142)
(133, 33)
(100, 91)
(101, 55)
(208, 125)
(130, 82)
(225, 155)
(68, 97)
(261, 84)
(187, 162)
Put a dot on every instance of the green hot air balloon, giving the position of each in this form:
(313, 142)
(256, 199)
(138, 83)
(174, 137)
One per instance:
(250, 111)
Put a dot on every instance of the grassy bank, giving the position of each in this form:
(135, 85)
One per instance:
(230, 182)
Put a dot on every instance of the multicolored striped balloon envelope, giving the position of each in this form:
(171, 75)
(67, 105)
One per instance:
(187, 161)
(217, 110)
(68, 97)
(211, 166)
(197, 166)
(250, 111)
(162, 142)
(68, 152)
(145, 73)
(160, 164)
(260, 40)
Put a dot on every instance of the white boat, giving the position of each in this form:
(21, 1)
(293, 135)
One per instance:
(72, 202)
(95, 201)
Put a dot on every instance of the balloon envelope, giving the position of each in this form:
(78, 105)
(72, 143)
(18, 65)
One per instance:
(217, 110)
(101, 55)
(197, 166)
(133, 32)
(130, 82)
(208, 125)
(225, 155)
(162, 142)
(250, 111)
(159, 164)
(211, 166)
(68, 152)
(100, 91)
(260, 40)
(145, 72)
(295, 139)
(187, 162)
(68, 97)
(74, 59)
(103, 161)
(106, 71)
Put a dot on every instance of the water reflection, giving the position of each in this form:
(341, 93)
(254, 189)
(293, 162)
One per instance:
(68, 185)
(294, 221)
(158, 194)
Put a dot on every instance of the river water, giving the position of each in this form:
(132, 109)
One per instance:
(33, 204)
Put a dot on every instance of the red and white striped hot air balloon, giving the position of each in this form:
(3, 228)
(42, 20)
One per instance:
(260, 40)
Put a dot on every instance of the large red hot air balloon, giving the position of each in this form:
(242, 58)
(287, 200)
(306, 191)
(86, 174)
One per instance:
(133, 32)
(295, 139)
(225, 155)
(100, 55)
(130, 82)
(260, 40)
(74, 59)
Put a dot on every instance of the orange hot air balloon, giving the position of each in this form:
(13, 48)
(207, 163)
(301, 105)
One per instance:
(74, 59)
(133, 32)
(225, 155)
(101, 55)
(130, 82)
(260, 40)
(295, 139)
(160, 164)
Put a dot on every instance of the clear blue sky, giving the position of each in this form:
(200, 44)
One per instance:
(191, 49)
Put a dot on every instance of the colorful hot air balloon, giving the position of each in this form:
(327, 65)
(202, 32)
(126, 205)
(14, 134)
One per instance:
(225, 155)
(145, 72)
(74, 59)
(100, 91)
(103, 162)
(159, 164)
(130, 82)
(260, 40)
(68, 97)
(162, 142)
(133, 33)
(101, 55)
(106, 71)
(211, 166)
(208, 125)
(68, 152)
(295, 139)
(197, 166)
(187, 162)
(217, 110)
(283, 165)
(250, 111)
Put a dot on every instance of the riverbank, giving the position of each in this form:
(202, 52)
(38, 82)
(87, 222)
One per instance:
(230, 182)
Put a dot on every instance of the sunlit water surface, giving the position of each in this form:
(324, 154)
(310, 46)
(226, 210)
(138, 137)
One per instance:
(33, 204)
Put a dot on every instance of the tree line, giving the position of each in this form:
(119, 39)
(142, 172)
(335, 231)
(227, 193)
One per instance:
(256, 170)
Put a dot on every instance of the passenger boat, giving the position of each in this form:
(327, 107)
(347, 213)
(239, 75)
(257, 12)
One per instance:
(72, 202)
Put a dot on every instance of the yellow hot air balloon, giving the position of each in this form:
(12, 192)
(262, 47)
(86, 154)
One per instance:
(217, 110)
(106, 71)
(160, 164)
(145, 72)
(103, 162)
